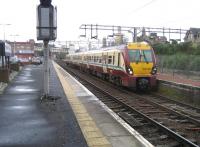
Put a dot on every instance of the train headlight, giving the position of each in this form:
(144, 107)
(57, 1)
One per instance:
(130, 70)
(154, 70)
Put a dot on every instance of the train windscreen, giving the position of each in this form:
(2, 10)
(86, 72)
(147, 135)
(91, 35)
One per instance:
(140, 55)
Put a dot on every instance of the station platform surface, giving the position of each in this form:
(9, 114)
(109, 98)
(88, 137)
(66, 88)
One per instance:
(100, 125)
(26, 121)
(76, 118)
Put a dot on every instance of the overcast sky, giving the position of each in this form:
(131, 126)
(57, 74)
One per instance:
(21, 14)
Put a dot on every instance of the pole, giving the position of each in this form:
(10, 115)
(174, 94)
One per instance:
(135, 34)
(163, 31)
(4, 31)
(46, 69)
(14, 50)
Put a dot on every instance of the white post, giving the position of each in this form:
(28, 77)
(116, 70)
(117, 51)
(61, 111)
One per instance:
(14, 49)
(135, 34)
(46, 69)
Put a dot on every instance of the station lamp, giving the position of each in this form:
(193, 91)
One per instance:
(46, 21)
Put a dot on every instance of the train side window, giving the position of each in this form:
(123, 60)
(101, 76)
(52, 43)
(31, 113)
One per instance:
(113, 60)
(109, 59)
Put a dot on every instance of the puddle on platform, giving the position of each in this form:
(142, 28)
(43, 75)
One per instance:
(19, 107)
(24, 89)
(23, 80)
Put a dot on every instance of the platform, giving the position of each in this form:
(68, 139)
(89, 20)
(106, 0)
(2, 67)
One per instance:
(26, 121)
(75, 119)
(100, 125)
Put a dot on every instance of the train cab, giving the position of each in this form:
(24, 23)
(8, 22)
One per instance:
(142, 64)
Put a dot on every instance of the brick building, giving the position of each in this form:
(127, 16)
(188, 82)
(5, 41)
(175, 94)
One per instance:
(23, 50)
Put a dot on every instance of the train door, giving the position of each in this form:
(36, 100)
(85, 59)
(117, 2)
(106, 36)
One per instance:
(121, 62)
(87, 62)
(104, 62)
(116, 60)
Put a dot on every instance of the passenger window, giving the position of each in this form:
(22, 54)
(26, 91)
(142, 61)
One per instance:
(109, 59)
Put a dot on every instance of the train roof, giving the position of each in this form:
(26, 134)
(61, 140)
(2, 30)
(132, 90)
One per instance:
(139, 45)
(119, 48)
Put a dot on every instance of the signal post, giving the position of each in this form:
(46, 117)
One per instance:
(46, 31)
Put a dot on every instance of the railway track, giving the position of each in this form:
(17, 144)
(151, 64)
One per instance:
(159, 124)
(189, 110)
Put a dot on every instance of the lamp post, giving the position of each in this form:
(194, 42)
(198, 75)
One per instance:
(46, 31)
(4, 32)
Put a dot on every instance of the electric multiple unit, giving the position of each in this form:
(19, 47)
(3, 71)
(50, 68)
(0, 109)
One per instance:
(132, 65)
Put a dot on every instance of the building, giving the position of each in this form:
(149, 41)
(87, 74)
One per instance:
(23, 50)
(193, 35)
(152, 38)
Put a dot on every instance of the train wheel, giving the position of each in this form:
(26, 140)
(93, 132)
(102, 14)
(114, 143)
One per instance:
(118, 81)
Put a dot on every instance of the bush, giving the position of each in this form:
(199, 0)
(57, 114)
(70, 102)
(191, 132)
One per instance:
(180, 62)
(197, 50)
(174, 48)
(195, 63)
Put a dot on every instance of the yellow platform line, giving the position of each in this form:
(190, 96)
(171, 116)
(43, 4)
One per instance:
(91, 132)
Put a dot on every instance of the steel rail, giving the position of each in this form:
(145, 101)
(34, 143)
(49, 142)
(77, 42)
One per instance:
(171, 133)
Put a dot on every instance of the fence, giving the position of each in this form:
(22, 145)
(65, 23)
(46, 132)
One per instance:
(185, 65)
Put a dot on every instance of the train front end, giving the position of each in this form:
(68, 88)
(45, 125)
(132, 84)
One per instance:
(141, 66)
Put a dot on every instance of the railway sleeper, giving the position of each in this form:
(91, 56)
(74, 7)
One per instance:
(152, 136)
(169, 144)
(106, 100)
(154, 111)
(123, 110)
(182, 121)
(130, 120)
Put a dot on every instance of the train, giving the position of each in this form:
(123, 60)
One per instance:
(132, 65)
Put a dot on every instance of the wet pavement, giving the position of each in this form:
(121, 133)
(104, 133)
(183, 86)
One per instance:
(28, 122)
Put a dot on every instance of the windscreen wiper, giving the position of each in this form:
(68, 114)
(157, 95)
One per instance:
(145, 58)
